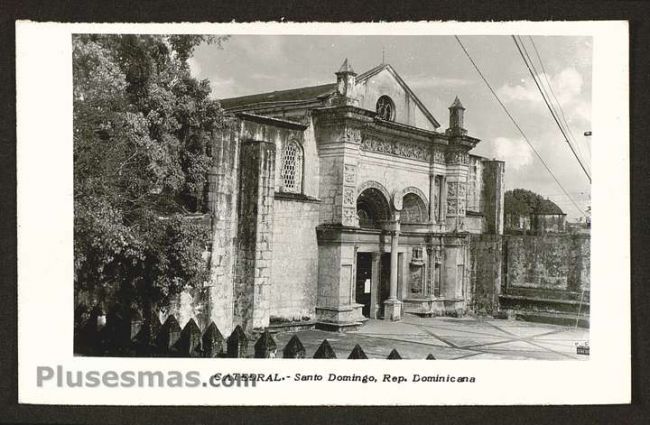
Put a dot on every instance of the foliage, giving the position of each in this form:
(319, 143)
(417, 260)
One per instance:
(522, 202)
(142, 128)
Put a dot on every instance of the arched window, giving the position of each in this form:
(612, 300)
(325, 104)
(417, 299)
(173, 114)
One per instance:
(291, 173)
(386, 108)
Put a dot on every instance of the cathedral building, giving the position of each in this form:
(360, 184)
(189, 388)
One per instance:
(345, 201)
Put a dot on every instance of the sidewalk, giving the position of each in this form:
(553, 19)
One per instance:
(451, 339)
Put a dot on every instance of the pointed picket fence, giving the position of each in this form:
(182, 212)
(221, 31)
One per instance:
(129, 335)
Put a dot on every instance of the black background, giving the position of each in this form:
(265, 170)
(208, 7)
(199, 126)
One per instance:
(636, 13)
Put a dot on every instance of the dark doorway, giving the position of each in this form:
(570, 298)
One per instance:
(364, 276)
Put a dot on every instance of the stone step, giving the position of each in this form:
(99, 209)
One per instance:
(293, 326)
(562, 319)
(543, 305)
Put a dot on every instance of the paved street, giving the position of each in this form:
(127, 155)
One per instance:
(451, 339)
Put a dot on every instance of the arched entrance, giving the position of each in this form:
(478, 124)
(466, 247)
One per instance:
(372, 208)
(373, 269)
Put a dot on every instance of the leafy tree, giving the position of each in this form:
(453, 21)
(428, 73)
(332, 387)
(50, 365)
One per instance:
(522, 202)
(142, 131)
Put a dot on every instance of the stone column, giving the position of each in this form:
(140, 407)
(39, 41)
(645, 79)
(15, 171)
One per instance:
(394, 246)
(437, 272)
(443, 199)
(492, 197)
(393, 306)
(430, 273)
(432, 197)
(374, 284)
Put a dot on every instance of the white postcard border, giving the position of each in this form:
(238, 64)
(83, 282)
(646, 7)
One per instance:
(45, 254)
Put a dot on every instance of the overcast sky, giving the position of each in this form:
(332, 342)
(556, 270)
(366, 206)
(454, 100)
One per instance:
(437, 70)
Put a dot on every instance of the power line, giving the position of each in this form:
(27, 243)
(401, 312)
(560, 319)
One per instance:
(549, 107)
(559, 105)
(515, 123)
(535, 74)
(554, 105)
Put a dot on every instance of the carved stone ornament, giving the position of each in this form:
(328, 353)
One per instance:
(351, 135)
(349, 196)
(410, 150)
(350, 216)
(451, 206)
(438, 156)
(457, 157)
(461, 206)
(461, 190)
(350, 173)
(452, 190)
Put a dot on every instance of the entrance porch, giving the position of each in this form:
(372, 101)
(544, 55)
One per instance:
(364, 275)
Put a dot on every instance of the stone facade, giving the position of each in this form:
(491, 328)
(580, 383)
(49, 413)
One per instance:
(331, 209)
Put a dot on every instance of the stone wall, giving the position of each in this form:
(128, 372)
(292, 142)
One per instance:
(530, 273)
(252, 280)
(486, 256)
(295, 259)
(550, 262)
(223, 191)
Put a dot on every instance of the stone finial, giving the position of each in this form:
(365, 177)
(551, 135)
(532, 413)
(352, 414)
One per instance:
(168, 335)
(265, 347)
(325, 351)
(189, 343)
(212, 341)
(294, 349)
(394, 355)
(457, 104)
(430, 357)
(237, 343)
(456, 117)
(345, 84)
(357, 353)
(346, 68)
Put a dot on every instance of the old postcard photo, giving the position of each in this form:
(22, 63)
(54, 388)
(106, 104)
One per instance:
(233, 204)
